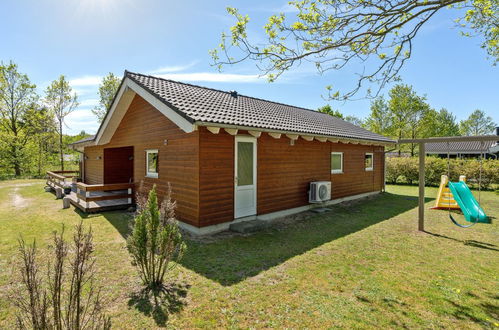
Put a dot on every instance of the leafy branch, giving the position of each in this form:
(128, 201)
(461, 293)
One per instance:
(375, 35)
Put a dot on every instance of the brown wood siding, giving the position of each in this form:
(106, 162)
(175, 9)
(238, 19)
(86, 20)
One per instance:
(216, 177)
(283, 173)
(94, 167)
(355, 179)
(144, 127)
(200, 166)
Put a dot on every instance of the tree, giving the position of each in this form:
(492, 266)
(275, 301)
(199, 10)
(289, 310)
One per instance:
(330, 111)
(379, 120)
(406, 110)
(17, 96)
(42, 129)
(354, 120)
(439, 123)
(156, 242)
(61, 101)
(336, 113)
(107, 90)
(478, 123)
(374, 37)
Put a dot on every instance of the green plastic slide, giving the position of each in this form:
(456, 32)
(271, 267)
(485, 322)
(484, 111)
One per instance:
(469, 206)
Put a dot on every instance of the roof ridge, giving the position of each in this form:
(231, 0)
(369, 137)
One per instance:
(228, 92)
(350, 129)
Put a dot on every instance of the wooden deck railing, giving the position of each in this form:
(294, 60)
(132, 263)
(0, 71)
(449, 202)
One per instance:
(58, 178)
(84, 192)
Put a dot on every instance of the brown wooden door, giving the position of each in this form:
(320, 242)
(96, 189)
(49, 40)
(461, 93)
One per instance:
(118, 165)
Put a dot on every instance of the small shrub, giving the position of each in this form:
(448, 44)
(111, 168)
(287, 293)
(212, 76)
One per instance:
(65, 296)
(156, 244)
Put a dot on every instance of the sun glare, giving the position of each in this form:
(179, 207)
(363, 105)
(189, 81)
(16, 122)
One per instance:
(94, 6)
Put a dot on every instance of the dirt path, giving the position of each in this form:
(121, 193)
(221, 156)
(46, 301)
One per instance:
(17, 185)
(16, 200)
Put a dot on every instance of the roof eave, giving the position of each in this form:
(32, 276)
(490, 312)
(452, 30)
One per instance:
(268, 130)
(79, 146)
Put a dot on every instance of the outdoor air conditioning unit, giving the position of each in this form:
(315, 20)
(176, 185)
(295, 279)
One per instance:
(320, 191)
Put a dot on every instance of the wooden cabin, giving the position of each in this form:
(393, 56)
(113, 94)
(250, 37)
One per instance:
(229, 157)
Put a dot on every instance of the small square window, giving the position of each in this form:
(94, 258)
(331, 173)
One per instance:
(152, 163)
(368, 161)
(336, 162)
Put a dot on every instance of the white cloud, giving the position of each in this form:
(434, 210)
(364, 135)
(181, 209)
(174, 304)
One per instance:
(85, 91)
(85, 81)
(81, 119)
(285, 8)
(214, 77)
(174, 68)
(88, 102)
(81, 115)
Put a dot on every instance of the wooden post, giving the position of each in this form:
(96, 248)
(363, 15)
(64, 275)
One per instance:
(421, 186)
(384, 169)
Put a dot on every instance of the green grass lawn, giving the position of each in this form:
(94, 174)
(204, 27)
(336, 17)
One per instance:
(361, 265)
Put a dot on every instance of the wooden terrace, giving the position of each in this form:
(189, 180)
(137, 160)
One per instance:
(91, 198)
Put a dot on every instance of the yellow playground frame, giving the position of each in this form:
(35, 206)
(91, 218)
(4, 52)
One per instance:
(445, 200)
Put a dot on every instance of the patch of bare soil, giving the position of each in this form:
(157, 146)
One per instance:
(16, 200)
(17, 185)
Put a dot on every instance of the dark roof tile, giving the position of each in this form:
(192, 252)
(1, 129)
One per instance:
(459, 147)
(87, 139)
(210, 105)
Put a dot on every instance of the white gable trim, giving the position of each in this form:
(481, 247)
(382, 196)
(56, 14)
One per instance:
(113, 118)
(124, 98)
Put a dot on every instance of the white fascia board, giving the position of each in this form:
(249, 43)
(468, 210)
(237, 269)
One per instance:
(128, 90)
(110, 115)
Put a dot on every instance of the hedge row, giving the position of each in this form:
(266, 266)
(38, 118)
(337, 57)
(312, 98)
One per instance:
(405, 170)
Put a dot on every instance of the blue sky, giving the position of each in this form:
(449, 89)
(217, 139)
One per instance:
(86, 39)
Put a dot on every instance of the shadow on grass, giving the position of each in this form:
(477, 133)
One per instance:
(231, 260)
(160, 303)
(473, 243)
(119, 219)
(462, 312)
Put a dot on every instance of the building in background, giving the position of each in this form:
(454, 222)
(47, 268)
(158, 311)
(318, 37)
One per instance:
(468, 149)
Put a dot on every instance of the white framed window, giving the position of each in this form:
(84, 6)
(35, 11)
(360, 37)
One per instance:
(152, 163)
(336, 162)
(369, 161)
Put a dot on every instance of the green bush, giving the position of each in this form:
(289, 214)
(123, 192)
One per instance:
(434, 168)
(156, 244)
(406, 170)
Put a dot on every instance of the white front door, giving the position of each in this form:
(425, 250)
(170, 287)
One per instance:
(245, 177)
